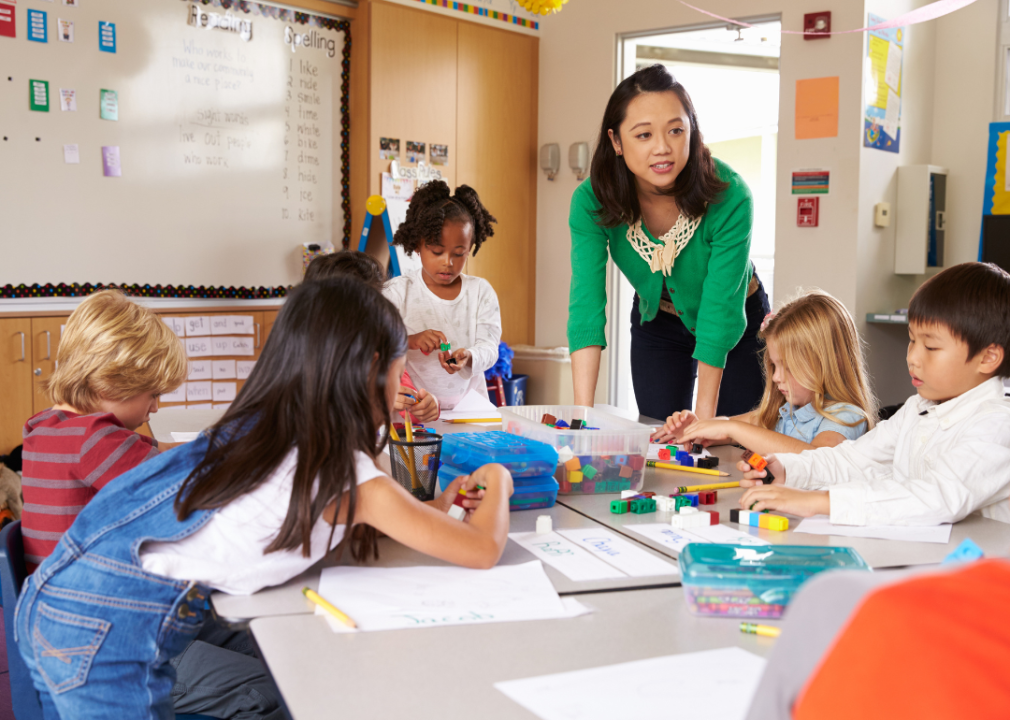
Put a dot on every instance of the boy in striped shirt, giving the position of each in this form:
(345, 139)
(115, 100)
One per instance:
(115, 358)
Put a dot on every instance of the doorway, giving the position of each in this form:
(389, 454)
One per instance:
(732, 75)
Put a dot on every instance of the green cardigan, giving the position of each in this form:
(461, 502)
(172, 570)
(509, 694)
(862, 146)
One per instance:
(708, 282)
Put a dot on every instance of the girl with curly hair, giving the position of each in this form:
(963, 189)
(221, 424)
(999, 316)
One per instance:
(439, 304)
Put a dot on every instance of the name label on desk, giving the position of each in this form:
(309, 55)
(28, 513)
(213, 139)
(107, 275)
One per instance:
(566, 557)
(622, 554)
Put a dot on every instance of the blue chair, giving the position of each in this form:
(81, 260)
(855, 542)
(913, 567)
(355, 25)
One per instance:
(24, 698)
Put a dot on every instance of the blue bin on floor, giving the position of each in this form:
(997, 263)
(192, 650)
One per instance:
(515, 390)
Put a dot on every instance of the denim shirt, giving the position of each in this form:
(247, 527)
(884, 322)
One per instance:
(94, 628)
(805, 423)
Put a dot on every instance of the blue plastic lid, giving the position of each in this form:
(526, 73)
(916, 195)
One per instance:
(448, 473)
(720, 564)
(523, 457)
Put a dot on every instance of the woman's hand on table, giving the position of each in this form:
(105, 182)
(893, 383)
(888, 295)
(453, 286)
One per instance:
(672, 427)
(802, 503)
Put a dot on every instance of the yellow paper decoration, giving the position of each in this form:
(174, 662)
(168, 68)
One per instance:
(542, 7)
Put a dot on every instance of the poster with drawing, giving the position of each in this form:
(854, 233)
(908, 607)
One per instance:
(882, 87)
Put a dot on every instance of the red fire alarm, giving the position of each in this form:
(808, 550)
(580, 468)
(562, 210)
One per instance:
(816, 25)
(807, 210)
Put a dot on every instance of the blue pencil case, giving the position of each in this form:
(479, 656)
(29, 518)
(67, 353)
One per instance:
(524, 458)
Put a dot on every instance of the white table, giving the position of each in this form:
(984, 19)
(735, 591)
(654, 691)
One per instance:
(449, 672)
(287, 599)
(991, 535)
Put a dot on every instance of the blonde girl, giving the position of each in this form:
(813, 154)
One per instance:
(816, 393)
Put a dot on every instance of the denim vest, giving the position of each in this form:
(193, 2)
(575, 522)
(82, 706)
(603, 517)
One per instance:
(95, 629)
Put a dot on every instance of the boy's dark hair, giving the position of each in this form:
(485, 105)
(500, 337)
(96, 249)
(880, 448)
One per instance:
(319, 388)
(432, 206)
(972, 300)
(614, 184)
(347, 262)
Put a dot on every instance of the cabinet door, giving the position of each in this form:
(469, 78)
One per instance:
(15, 380)
(45, 345)
(269, 318)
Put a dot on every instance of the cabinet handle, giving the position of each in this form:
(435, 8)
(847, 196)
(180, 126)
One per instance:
(49, 345)
(22, 346)
(38, 372)
(257, 335)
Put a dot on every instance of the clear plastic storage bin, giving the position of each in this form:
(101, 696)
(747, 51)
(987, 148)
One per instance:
(527, 493)
(755, 581)
(616, 452)
(522, 458)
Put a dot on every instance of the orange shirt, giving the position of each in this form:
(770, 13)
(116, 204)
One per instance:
(937, 646)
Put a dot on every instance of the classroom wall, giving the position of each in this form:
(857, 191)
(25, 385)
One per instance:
(948, 103)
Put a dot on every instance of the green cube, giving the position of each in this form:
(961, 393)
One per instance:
(589, 472)
(445, 347)
(623, 484)
(619, 506)
(681, 501)
(612, 486)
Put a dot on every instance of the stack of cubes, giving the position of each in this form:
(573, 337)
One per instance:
(591, 474)
(531, 463)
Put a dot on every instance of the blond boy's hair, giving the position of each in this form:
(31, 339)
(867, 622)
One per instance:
(820, 347)
(113, 349)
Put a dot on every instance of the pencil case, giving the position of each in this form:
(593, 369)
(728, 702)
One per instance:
(527, 493)
(522, 457)
(755, 581)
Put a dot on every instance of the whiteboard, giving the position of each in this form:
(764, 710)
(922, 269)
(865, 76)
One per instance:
(230, 148)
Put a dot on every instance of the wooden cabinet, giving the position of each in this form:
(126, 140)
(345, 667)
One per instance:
(46, 333)
(16, 386)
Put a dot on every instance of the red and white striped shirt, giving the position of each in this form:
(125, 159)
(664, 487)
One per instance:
(67, 459)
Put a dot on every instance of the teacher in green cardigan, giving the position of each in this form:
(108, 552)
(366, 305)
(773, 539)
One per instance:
(678, 225)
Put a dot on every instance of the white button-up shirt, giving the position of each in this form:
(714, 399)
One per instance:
(929, 464)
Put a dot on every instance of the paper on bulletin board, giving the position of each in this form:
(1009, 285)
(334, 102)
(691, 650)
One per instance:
(817, 108)
(7, 26)
(882, 87)
(811, 181)
(997, 180)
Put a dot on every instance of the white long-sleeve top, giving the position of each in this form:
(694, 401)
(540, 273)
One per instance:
(471, 321)
(929, 464)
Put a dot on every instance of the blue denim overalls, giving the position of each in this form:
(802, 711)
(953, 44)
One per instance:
(95, 629)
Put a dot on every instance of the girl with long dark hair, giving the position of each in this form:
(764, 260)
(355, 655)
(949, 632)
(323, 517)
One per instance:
(254, 501)
(678, 225)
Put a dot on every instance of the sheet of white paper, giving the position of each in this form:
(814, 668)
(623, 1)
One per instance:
(224, 392)
(242, 346)
(676, 539)
(566, 557)
(420, 596)
(821, 525)
(240, 324)
(198, 391)
(72, 154)
(177, 324)
(198, 346)
(184, 436)
(219, 325)
(892, 72)
(891, 114)
(221, 345)
(197, 326)
(622, 554)
(200, 369)
(244, 368)
(708, 685)
(223, 369)
(473, 405)
(177, 395)
(654, 449)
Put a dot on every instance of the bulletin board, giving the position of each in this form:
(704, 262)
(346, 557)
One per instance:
(171, 147)
(882, 86)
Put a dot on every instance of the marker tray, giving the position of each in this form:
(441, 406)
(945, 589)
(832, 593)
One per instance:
(755, 581)
(618, 443)
(523, 458)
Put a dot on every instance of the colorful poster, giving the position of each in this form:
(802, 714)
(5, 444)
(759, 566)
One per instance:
(439, 154)
(37, 27)
(38, 95)
(817, 108)
(997, 180)
(811, 182)
(65, 30)
(7, 25)
(882, 87)
(107, 37)
(109, 105)
(68, 100)
(110, 164)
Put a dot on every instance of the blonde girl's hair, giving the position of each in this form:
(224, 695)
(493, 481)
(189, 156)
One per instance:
(114, 349)
(819, 346)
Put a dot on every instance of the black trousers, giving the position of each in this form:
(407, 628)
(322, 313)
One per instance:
(663, 371)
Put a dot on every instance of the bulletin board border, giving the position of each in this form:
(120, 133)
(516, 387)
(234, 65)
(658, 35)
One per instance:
(37, 290)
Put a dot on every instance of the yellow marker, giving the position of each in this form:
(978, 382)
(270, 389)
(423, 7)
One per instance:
(331, 609)
(683, 468)
(475, 420)
(410, 457)
(392, 434)
(698, 488)
(763, 630)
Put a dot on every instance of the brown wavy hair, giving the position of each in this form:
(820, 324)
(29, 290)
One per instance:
(318, 389)
(433, 206)
(614, 184)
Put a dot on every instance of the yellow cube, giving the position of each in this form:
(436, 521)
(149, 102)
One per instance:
(575, 477)
(777, 522)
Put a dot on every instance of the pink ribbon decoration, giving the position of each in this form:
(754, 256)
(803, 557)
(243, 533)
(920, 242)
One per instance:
(919, 15)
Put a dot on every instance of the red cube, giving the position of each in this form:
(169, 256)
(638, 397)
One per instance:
(714, 517)
(707, 497)
(664, 455)
(637, 462)
(566, 487)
